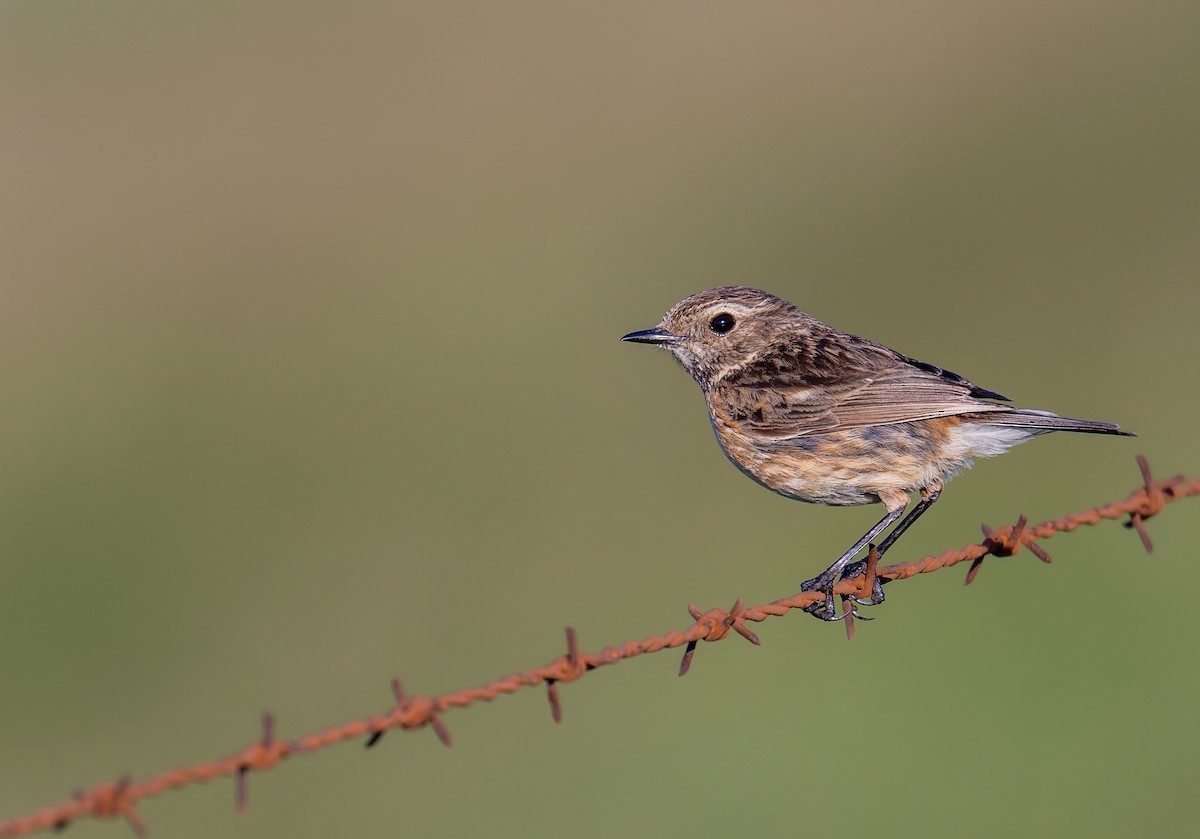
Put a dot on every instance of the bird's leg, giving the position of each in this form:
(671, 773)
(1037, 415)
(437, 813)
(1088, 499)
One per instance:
(928, 497)
(826, 580)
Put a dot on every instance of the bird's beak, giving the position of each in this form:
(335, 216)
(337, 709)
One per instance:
(652, 336)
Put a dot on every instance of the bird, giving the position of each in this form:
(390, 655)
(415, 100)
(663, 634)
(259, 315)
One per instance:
(825, 417)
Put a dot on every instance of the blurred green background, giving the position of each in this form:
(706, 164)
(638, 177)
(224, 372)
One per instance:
(311, 378)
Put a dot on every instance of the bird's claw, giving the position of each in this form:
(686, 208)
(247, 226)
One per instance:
(822, 609)
(854, 609)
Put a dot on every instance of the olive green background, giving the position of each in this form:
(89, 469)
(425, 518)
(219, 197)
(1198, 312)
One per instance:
(308, 347)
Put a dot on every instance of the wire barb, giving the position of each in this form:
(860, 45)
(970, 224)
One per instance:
(414, 711)
(240, 791)
(1155, 500)
(714, 625)
(574, 668)
(1004, 542)
(686, 664)
(864, 590)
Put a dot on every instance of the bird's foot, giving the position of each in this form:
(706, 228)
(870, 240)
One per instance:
(876, 596)
(823, 609)
(825, 581)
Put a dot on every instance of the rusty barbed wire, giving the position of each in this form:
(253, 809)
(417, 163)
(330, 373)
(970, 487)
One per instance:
(118, 798)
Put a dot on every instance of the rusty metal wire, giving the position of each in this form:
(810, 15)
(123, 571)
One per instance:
(119, 798)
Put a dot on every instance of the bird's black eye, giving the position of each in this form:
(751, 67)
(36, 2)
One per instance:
(722, 323)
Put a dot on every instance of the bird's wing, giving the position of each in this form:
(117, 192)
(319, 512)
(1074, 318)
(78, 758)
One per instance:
(873, 386)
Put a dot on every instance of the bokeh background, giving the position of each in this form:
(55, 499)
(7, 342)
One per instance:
(308, 346)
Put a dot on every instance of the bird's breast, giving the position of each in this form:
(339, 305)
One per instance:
(863, 465)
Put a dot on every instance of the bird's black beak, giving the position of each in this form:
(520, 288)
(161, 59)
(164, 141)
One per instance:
(651, 336)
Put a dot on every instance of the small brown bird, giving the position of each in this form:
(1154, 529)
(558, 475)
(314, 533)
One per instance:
(829, 418)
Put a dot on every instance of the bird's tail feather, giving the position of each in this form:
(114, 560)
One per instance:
(1045, 421)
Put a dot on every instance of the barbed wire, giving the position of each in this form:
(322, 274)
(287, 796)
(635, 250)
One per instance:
(118, 798)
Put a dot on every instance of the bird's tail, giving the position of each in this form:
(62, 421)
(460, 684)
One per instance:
(1042, 421)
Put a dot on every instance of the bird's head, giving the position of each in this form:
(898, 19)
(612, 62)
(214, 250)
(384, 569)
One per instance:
(719, 331)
